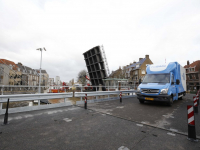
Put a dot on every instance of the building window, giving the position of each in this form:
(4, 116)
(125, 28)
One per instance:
(1, 74)
(196, 76)
(136, 73)
(143, 72)
(190, 76)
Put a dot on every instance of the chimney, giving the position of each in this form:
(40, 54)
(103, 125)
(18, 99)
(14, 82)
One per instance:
(134, 62)
(119, 67)
(147, 56)
(20, 63)
(140, 59)
(188, 63)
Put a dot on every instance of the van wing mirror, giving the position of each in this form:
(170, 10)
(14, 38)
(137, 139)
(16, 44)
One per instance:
(177, 81)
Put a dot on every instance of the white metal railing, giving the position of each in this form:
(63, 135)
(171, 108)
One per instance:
(31, 97)
(23, 89)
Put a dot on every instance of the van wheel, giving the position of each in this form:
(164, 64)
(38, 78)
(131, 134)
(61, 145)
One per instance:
(170, 101)
(141, 101)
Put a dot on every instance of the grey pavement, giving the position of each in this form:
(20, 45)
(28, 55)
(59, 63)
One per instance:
(104, 126)
(156, 114)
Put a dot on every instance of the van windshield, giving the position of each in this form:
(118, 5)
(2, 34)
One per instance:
(157, 78)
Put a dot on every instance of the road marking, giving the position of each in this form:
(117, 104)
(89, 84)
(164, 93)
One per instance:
(120, 107)
(166, 116)
(26, 116)
(144, 122)
(123, 148)
(67, 119)
(140, 125)
(169, 133)
(18, 117)
(72, 108)
(51, 112)
(175, 130)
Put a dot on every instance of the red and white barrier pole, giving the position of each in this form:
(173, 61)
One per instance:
(197, 100)
(195, 104)
(191, 124)
(120, 95)
(85, 101)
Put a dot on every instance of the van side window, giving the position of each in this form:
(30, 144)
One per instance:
(172, 79)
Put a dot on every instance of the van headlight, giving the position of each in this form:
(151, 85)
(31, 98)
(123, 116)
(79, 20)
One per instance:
(138, 89)
(163, 91)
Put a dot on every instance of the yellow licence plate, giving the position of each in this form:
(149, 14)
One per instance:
(147, 98)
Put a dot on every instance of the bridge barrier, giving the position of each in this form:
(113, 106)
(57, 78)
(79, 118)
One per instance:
(31, 97)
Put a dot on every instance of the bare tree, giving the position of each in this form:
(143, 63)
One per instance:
(81, 77)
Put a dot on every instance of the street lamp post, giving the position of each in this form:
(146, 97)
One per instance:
(40, 49)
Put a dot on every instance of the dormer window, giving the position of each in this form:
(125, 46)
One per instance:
(11, 67)
(143, 72)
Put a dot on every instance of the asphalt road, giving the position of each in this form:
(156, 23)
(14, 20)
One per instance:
(156, 114)
(104, 126)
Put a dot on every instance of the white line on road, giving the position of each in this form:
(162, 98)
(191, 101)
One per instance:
(28, 115)
(67, 119)
(174, 130)
(18, 117)
(140, 125)
(171, 134)
(123, 148)
(120, 107)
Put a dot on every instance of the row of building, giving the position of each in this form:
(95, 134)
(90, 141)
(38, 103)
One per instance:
(19, 74)
(135, 72)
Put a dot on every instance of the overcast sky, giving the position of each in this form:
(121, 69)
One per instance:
(128, 30)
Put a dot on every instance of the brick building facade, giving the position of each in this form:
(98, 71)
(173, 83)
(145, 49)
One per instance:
(193, 75)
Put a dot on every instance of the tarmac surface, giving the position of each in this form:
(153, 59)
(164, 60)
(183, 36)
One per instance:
(109, 125)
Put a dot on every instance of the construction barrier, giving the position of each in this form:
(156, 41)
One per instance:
(195, 104)
(191, 124)
(197, 95)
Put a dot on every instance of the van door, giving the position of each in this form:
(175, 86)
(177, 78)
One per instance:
(173, 87)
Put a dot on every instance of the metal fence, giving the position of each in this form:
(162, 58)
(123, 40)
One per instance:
(24, 89)
(78, 92)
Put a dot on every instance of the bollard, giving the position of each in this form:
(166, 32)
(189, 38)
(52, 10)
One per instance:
(195, 104)
(120, 95)
(6, 114)
(85, 101)
(191, 124)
